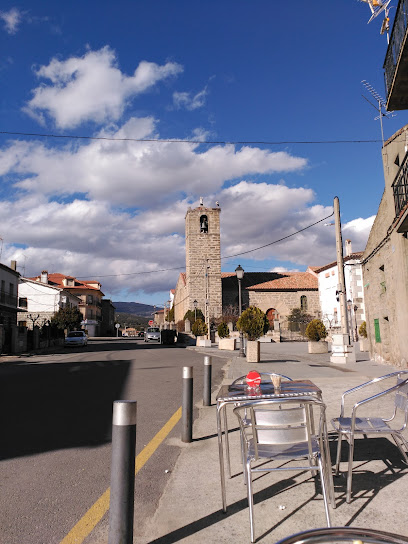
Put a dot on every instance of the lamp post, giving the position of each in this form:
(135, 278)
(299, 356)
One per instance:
(240, 274)
(195, 309)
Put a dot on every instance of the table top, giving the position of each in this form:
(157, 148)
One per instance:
(295, 388)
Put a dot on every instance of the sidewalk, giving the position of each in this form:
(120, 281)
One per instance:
(190, 509)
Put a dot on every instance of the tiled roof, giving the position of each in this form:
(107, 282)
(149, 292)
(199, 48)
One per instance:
(56, 279)
(354, 256)
(289, 281)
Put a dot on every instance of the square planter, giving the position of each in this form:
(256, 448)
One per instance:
(253, 351)
(203, 342)
(318, 347)
(227, 343)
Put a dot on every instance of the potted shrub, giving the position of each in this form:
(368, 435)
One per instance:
(200, 330)
(316, 333)
(362, 331)
(225, 342)
(253, 323)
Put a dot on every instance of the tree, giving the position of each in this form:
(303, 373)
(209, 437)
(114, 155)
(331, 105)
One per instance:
(191, 315)
(316, 330)
(199, 328)
(67, 318)
(253, 323)
(170, 315)
(298, 320)
(223, 330)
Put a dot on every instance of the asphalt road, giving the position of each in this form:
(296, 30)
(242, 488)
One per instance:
(56, 415)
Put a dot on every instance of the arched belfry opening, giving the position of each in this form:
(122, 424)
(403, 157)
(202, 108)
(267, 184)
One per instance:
(204, 224)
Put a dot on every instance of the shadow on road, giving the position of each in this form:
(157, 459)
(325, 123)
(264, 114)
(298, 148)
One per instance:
(51, 406)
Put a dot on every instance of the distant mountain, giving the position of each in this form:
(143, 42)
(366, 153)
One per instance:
(135, 308)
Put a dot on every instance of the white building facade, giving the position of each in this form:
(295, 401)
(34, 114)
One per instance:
(329, 284)
(38, 302)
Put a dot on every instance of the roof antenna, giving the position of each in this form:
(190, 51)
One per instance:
(381, 106)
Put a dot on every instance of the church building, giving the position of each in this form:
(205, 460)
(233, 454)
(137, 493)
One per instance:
(205, 287)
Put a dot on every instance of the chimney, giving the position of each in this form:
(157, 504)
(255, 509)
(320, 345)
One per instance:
(13, 265)
(349, 251)
(44, 276)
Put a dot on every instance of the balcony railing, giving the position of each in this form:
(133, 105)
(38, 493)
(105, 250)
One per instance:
(400, 186)
(396, 43)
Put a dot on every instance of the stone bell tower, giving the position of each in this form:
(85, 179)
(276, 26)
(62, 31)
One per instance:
(203, 260)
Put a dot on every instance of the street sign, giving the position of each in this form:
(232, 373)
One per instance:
(117, 325)
(151, 322)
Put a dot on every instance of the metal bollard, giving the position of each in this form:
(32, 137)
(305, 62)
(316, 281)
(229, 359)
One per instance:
(187, 405)
(121, 509)
(207, 380)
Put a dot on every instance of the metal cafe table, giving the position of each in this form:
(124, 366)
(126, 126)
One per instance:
(234, 394)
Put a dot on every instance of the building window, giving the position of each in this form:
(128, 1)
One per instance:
(22, 302)
(90, 299)
(303, 303)
(203, 223)
(377, 331)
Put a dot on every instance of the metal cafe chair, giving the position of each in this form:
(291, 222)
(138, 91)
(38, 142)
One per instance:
(335, 535)
(265, 377)
(352, 425)
(281, 430)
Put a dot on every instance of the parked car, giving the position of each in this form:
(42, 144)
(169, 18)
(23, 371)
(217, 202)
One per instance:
(76, 338)
(152, 333)
(140, 334)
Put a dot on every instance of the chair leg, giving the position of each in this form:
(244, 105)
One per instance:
(323, 476)
(250, 500)
(399, 441)
(350, 467)
(338, 456)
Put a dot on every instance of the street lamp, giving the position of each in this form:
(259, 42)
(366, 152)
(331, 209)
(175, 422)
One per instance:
(240, 274)
(195, 309)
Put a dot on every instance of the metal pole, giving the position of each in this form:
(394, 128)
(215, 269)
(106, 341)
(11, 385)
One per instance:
(207, 380)
(187, 405)
(340, 270)
(241, 334)
(207, 302)
(121, 510)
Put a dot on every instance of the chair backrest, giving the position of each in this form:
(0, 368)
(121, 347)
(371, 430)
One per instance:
(278, 421)
(265, 377)
(401, 395)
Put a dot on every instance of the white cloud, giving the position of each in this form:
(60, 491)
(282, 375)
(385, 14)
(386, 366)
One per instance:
(11, 20)
(189, 101)
(91, 88)
(282, 269)
(143, 174)
(90, 238)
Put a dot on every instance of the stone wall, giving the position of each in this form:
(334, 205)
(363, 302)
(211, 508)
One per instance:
(285, 301)
(385, 272)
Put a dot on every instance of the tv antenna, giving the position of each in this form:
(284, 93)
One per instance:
(377, 7)
(381, 106)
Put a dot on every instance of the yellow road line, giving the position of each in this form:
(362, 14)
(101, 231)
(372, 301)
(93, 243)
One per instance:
(94, 515)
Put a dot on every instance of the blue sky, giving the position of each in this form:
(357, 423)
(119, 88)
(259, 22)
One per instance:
(224, 71)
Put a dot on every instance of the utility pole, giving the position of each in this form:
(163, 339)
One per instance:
(340, 270)
(342, 351)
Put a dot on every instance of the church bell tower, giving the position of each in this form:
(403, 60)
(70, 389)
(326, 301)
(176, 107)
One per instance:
(203, 260)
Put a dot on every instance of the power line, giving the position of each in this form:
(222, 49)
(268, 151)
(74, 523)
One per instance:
(225, 257)
(280, 239)
(180, 141)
